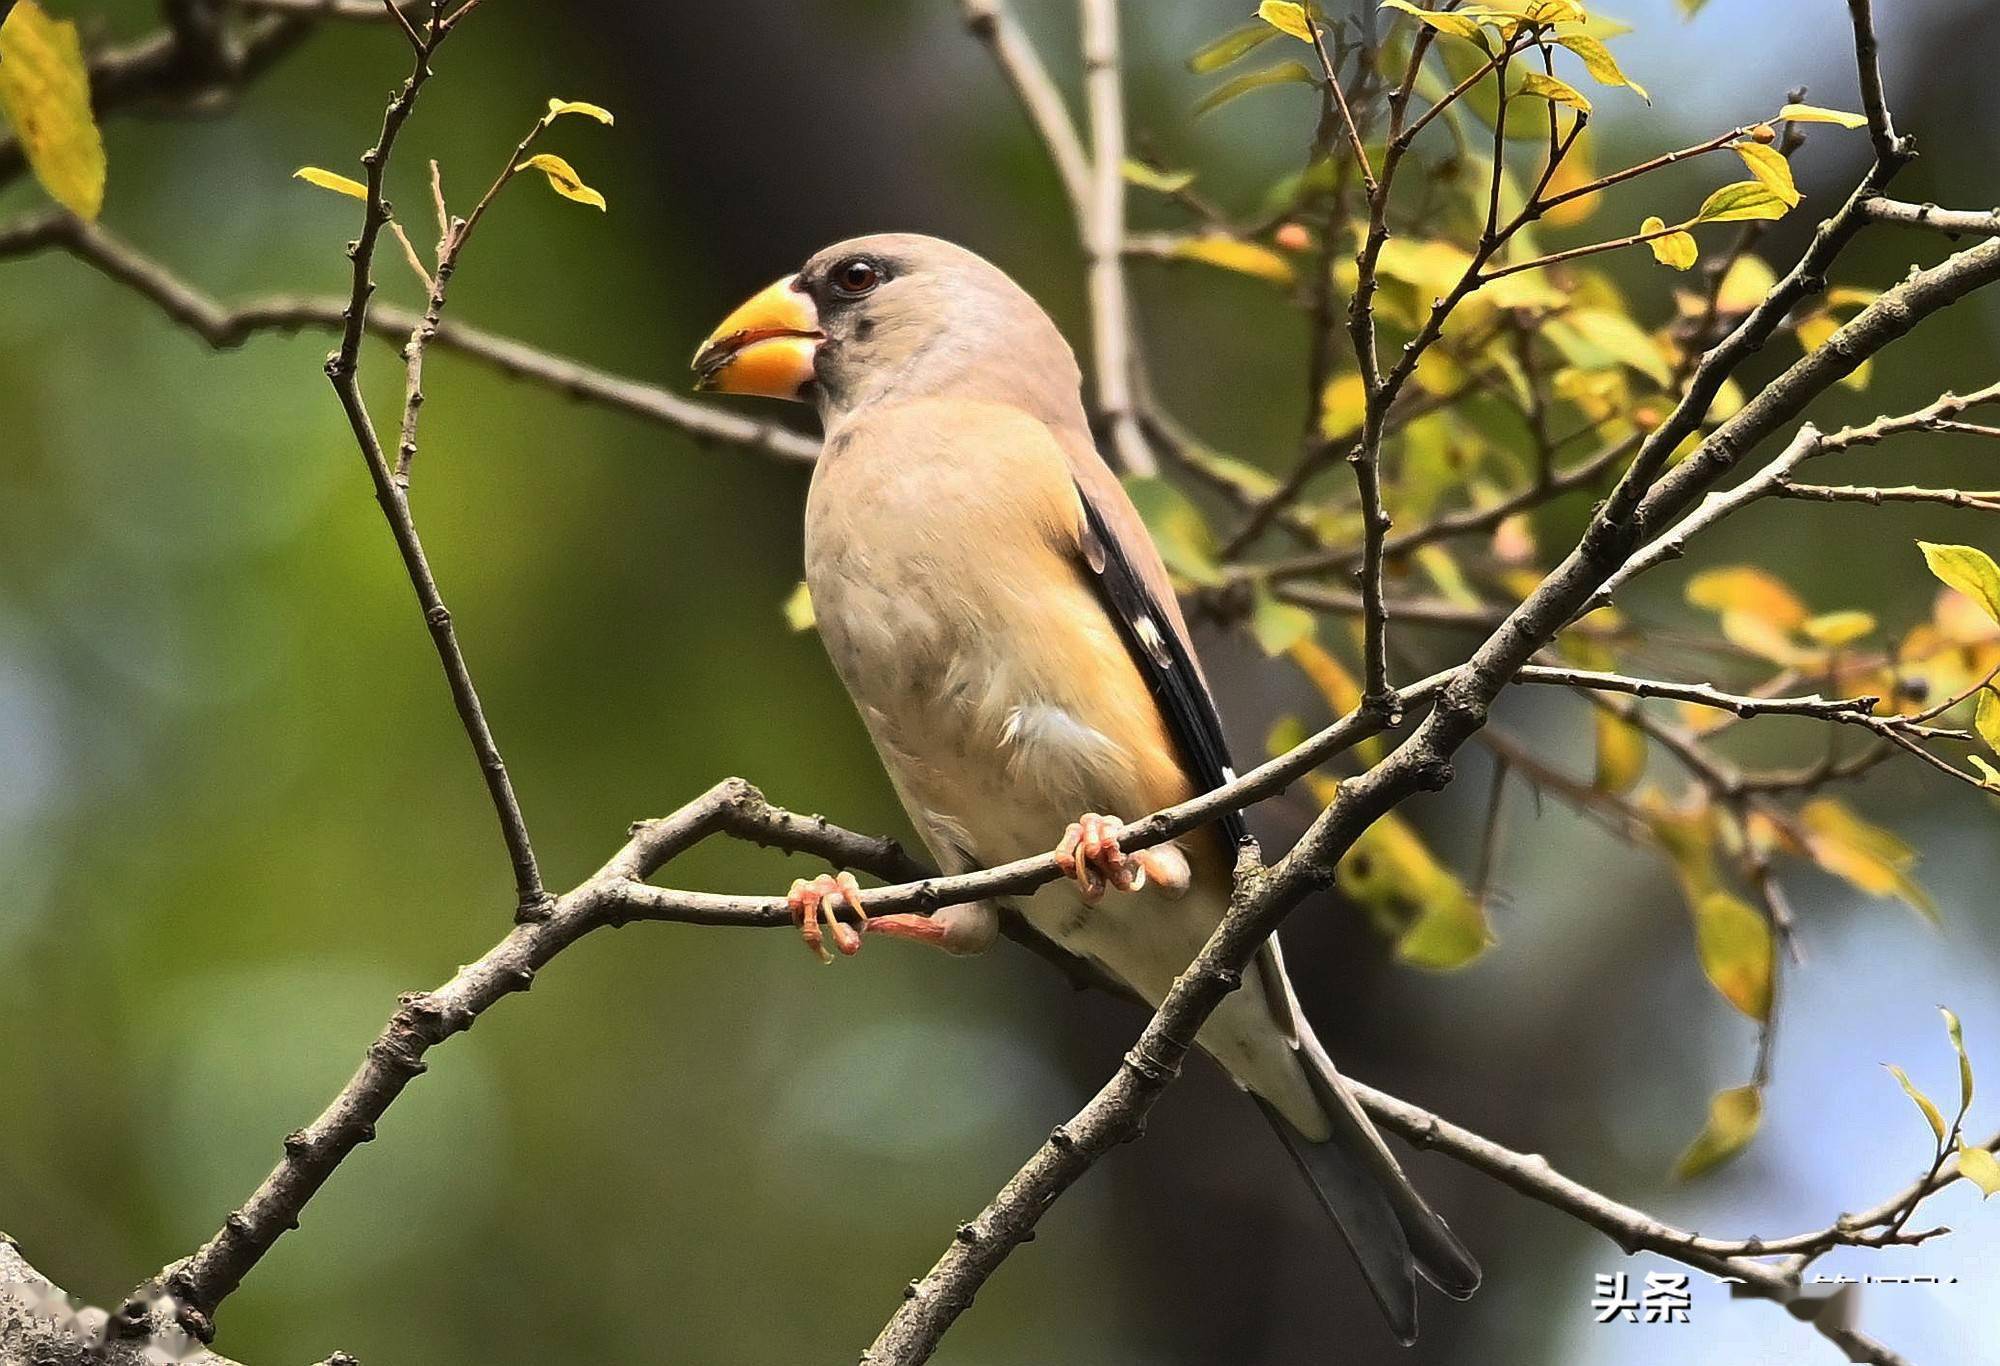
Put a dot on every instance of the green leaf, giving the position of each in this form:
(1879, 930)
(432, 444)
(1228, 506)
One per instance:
(557, 108)
(1735, 947)
(1733, 1117)
(799, 608)
(1924, 1102)
(1676, 249)
(1969, 570)
(1957, 1033)
(1812, 113)
(563, 179)
(1599, 62)
(1287, 18)
(1771, 168)
(1553, 89)
(1746, 199)
(1233, 253)
(1152, 178)
(1232, 46)
(1979, 1166)
(1623, 340)
(1278, 626)
(1989, 776)
(45, 95)
(1283, 73)
(1987, 718)
(1179, 529)
(1392, 874)
(328, 180)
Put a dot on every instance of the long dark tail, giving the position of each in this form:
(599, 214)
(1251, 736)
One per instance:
(1393, 1234)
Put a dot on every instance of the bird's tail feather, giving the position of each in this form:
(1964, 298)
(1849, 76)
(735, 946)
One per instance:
(1393, 1234)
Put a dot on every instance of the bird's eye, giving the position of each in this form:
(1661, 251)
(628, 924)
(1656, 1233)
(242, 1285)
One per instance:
(857, 277)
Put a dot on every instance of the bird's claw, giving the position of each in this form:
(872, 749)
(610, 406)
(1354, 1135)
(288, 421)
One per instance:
(821, 900)
(1089, 854)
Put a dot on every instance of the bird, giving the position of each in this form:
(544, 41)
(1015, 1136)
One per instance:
(1004, 623)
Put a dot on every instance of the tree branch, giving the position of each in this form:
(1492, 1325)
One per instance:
(225, 327)
(1103, 230)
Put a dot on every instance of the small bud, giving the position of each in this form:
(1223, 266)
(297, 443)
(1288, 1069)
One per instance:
(1764, 133)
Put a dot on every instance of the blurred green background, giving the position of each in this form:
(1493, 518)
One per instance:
(237, 814)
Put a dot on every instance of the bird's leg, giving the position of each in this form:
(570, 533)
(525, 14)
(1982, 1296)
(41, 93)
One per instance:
(1089, 853)
(962, 929)
(968, 928)
(821, 899)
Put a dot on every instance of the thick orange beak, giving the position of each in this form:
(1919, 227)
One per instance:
(765, 347)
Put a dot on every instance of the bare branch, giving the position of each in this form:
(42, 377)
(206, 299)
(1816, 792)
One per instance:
(1951, 222)
(225, 327)
(1890, 150)
(994, 24)
(1103, 230)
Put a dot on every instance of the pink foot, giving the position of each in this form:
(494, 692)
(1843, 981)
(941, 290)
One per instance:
(821, 899)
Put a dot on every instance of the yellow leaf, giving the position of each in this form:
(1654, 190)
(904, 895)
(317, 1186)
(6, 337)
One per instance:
(1923, 1102)
(1576, 171)
(1391, 874)
(1688, 835)
(1751, 591)
(557, 108)
(1772, 170)
(1866, 856)
(1957, 1033)
(1987, 718)
(1621, 753)
(1989, 776)
(1816, 331)
(1546, 87)
(1979, 1166)
(1746, 199)
(563, 179)
(1735, 947)
(1835, 629)
(328, 180)
(1746, 284)
(1457, 25)
(1599, 62)
(1231, 253)
(45, 95)
(1733, 1117)
(1676, 249)
(1327, 675)
(1286, 17)
(1812, 113)
(1969, 570)
(799, 608)
(1342, 407)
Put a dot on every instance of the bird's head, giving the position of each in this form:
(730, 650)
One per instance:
(892, 317)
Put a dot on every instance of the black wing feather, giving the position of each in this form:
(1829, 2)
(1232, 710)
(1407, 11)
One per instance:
(1163, 660)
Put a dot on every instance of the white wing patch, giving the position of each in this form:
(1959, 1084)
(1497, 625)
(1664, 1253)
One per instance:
(1050, 743)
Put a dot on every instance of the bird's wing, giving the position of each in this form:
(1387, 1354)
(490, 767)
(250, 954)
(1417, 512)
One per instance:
(1158, 644)
(1132, 583)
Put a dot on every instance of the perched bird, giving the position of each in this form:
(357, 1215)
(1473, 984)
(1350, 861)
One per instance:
(1008, 632)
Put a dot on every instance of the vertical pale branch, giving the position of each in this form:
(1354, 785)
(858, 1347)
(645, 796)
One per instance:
(994, 24)
(1104, 238)
(342, 368)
